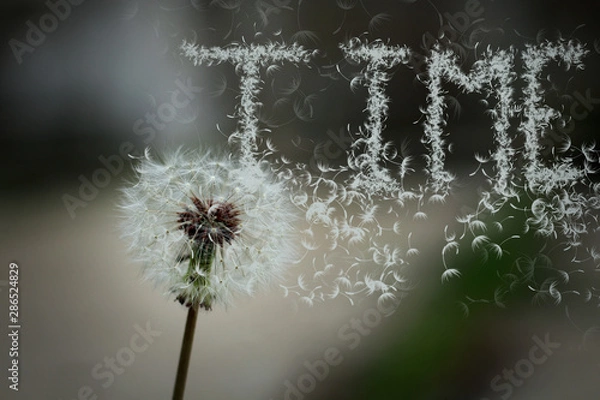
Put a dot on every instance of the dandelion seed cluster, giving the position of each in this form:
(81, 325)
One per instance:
(207, 228)
(557, 202)
(358, 243)
(355, 204)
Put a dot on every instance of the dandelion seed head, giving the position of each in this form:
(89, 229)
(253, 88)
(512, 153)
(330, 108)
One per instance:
(206, 227)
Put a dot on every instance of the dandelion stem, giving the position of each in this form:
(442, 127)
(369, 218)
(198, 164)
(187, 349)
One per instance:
(186, 352)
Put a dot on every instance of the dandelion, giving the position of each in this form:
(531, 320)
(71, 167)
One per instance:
(207, 228)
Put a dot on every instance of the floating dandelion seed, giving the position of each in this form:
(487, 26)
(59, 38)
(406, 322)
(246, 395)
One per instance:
(207, 228)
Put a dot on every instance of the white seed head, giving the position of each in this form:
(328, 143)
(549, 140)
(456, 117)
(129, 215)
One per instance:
(206, 227)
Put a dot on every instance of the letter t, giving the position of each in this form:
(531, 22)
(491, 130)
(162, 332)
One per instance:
(248, 61)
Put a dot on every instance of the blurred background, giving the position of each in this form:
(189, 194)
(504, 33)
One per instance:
(86, 83)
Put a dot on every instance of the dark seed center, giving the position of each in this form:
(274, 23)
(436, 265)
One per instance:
(210, 222)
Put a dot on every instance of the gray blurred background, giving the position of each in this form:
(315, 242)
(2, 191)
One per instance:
(84, 93)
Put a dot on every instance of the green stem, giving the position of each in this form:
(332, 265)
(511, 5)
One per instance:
(203, 258)
(186, 353)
